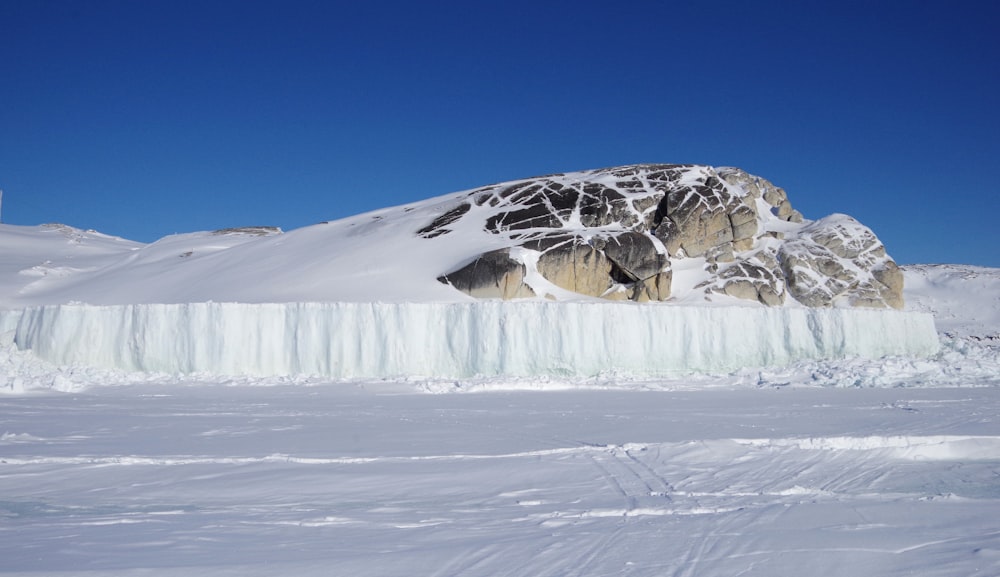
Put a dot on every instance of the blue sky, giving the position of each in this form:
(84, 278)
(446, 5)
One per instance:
(142, 119)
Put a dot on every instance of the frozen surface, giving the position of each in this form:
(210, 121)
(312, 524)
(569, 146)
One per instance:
(193, 478)
(456, 340)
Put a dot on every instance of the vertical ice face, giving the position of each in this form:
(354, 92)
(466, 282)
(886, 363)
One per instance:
(345, 340)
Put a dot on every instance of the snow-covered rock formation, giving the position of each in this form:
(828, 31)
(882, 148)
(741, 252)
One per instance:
(684, 234)
(617, 233)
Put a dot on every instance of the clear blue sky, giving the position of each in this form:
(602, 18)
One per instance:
(146, 118)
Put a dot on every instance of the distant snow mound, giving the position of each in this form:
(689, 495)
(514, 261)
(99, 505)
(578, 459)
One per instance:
(964, 299)
(619, 233)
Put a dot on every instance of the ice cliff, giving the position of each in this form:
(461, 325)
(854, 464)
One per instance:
(455, 340)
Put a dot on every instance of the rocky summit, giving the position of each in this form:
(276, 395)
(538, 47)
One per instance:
(625, 233)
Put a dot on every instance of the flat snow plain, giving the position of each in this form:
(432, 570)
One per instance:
(371, 479)
(883, 467)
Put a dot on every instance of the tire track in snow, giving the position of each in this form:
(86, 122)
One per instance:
(636, 482)
(655, 479)
(700, 544)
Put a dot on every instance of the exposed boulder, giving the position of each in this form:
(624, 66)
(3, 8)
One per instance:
(890, 283)
(756, 187)
(493, 275)
(654, 288)
(623, 266)
(635, 254)
(744, 222)
(577, 266)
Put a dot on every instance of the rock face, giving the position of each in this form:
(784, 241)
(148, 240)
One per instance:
(838, 258)
(620, 233)
(493, 275)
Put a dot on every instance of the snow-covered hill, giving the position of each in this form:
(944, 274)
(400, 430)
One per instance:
(686, 234)
(964, 299)
(401, 283)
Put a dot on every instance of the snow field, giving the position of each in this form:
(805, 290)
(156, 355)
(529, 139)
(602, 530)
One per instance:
(180, 479)
(459, 340)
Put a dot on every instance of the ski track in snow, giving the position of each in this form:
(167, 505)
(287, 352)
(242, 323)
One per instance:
(168, 479)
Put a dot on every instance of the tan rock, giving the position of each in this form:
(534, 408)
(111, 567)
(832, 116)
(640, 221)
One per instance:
(578, 267)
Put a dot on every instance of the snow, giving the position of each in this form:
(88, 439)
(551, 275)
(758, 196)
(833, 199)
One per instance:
(370, 479)
(965, 300)
(324, 417)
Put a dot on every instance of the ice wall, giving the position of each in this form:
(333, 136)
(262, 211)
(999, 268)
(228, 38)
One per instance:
(8, 321)
(458, 340)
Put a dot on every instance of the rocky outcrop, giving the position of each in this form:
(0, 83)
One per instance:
(620, 233)
(250, 230)
(837, 260)
(755, 277)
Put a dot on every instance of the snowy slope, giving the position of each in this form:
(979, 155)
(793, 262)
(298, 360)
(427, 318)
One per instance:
(34, 257)
(361, 259)
(965, 300)
(397, 254)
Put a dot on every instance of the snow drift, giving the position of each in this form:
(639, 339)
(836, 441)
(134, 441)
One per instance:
(454, 340)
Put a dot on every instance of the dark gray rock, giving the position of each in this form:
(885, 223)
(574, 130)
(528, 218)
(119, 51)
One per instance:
(636, 255)
(493, 275)
(440, 224)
